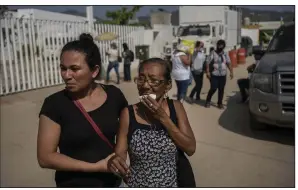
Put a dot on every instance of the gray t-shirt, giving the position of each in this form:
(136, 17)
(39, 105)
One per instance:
(219, 63)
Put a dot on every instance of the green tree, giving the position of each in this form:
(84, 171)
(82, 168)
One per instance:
(3, 10)
(122, 16)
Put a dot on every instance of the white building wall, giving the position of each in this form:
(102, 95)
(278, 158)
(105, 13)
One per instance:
(231, 41)
(192, 14)
(252, 33)
(165, 34)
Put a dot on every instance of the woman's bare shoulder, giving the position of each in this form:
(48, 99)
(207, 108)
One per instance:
(176, 102)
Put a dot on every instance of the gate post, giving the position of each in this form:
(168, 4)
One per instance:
(89, 11)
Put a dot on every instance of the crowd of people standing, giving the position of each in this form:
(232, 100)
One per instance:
(187, 65)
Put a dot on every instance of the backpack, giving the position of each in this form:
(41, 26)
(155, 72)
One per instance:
(132, 56)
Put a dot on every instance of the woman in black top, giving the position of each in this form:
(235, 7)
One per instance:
(152, 132)
(82, 157)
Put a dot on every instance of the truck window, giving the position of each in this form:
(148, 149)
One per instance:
(202, 30)
(193, 31)
(283, 40)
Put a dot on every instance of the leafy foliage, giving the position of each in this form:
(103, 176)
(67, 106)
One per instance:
(3, 10)
(122, 16)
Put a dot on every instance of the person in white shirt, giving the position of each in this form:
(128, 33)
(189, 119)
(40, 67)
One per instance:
(181, 60)
(198, 59)
(113, 62)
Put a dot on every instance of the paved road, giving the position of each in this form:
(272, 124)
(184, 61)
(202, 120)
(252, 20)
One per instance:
(229, 153)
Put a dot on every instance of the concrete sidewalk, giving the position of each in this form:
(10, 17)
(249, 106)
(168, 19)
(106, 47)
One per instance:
(228, 154)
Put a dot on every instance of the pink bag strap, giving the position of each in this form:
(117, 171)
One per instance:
(93, 124)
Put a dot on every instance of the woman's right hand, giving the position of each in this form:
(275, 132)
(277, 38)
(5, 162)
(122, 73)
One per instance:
(118, 165)
(102, 165)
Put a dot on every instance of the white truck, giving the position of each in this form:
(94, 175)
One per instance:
(209, 24)
(207, 32)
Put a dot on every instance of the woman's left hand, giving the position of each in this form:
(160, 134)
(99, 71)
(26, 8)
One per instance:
(155, 107)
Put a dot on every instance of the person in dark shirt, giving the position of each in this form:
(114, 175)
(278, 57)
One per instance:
(82, 157)
(128, 57)
(243, 83)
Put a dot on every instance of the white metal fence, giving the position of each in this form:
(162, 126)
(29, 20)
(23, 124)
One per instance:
(30, 49)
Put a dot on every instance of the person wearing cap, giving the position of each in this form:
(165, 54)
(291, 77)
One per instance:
(113, 62)
(181, 60)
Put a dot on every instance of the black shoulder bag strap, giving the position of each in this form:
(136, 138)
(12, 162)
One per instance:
(185, 175)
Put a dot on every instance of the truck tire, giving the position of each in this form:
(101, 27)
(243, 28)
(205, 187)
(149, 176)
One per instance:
(254, 124)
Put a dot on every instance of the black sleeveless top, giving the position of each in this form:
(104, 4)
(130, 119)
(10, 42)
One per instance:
(152, 153)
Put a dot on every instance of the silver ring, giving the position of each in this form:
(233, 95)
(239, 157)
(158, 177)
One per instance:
(117, 171)
(151, 105)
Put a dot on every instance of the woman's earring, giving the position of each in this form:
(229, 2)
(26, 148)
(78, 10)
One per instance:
(166, 95)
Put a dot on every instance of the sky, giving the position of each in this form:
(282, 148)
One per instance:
(100, 11)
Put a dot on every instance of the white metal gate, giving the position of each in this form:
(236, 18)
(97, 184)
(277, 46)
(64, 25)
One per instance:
(30, 49)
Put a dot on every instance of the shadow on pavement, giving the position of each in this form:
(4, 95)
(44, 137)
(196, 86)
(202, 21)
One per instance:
(235, 118)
